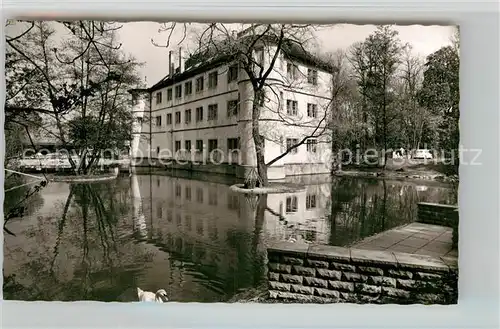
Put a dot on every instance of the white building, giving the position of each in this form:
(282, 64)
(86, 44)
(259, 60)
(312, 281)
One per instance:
(200, 115)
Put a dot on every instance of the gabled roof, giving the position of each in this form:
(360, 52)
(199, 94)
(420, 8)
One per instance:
(203, 61)
(200, 67)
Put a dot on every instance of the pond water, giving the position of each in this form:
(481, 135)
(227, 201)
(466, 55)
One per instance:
(186, 233)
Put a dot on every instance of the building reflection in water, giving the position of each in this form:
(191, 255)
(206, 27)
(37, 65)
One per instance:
(207, 230)
(139, 219)
(224, 233)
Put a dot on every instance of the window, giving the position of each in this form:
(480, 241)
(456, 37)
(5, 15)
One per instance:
(170, 216)
(188, 220)
(199, 195)
(291, 70)
(311, 145)
(212, 112)
(139, 120)
(212, 80)
(212, 145)
(177, 117)
(311, 201)
(157, 150)
(177, 191)
(177, 145)
(291, 142)
(188, 88)
(187, 116)
(158, 121)
(169, 94)
(199, 114)
(232, 108)
(158, 97)
(291, 107)
(312, 110)
(291, 204)
(178, 91)
(187, 145)
(232, 73)
(232, 144)
(199, 84)
(312, 76)
(187, 192)
(199, 145)
(169, 118)
(212, 198)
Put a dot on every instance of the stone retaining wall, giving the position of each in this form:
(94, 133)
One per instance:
(439, 214)
(325, 274)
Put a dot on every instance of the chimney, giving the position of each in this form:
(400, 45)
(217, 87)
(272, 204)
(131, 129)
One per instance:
(170, 71)
(181, 69)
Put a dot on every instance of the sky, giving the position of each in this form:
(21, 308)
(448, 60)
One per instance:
(136, 40)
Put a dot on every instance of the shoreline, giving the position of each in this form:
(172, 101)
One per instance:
(397, 175)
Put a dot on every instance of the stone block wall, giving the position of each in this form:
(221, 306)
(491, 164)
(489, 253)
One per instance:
(325, 274)
(439, 214)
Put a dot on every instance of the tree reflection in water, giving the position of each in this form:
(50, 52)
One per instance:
(359, 208)
(87, 223)
(21, 198)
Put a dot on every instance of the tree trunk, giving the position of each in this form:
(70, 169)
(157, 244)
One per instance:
(335, 163)
(258, 141)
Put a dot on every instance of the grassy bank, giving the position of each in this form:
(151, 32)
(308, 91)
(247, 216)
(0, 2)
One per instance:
(402, 169)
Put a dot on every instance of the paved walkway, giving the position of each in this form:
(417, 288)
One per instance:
(415, 238)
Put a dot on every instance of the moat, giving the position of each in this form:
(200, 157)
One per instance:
(186, 233)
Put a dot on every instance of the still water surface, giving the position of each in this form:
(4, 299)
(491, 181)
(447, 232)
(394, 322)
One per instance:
(191, 236)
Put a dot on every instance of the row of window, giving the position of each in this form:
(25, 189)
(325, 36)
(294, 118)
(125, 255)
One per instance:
(292, 71)
(311, 145)
(188, 222)
(233, 201)
(232, 111)
(232, 75)
(213, 80)
(232, 145)
(292, 108)
(292, 203)
(212, 113)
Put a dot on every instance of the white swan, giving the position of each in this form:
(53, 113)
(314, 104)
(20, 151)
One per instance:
(147, 296)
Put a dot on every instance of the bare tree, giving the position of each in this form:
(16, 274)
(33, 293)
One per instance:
(414, 117)
(343, 121)
(375, 63)
(80, 83)
(258, 51)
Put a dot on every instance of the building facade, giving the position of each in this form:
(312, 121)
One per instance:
(199, 117)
